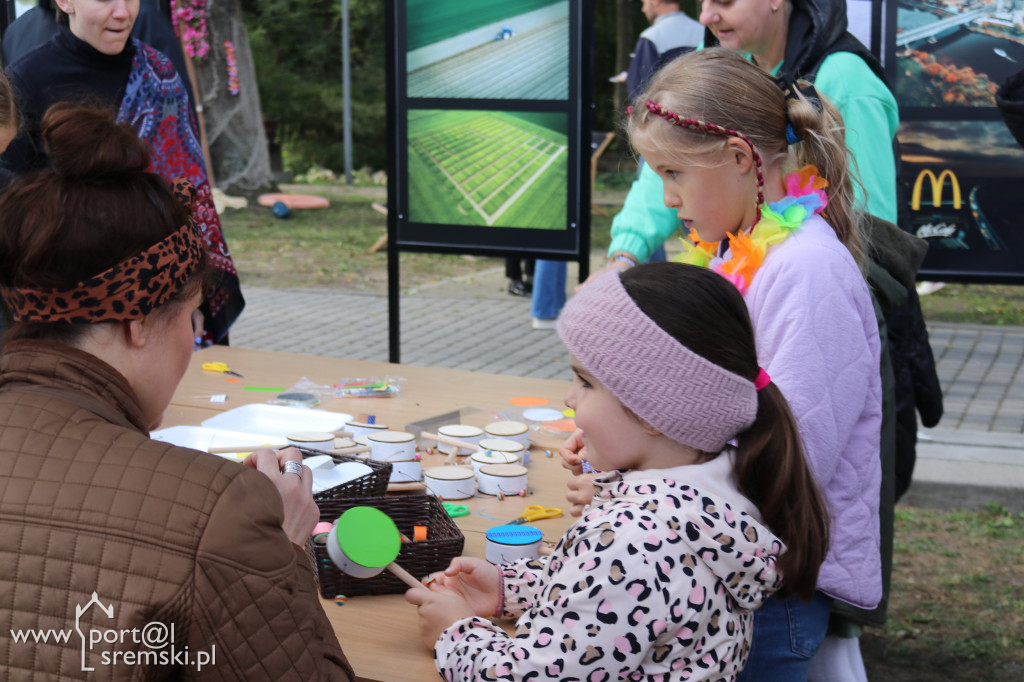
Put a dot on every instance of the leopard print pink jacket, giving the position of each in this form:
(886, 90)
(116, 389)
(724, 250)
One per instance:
(657, 581)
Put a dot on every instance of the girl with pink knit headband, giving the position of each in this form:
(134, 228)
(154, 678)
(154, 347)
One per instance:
(725, 138)
(706, 507)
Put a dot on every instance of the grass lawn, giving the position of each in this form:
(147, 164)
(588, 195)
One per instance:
(331, 248)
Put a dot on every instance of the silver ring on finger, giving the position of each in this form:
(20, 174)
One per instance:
(292, 467)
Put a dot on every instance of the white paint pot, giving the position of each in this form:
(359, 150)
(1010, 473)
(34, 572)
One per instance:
(517, 431)
(392, 446)
(482, 458)
(512, 542)
(464, 432)
(406, 472)
(450, 483)
(312, 440)
(507, 479)
(363, 429)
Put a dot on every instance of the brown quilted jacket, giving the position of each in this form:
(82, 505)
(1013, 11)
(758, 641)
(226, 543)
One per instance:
(109, 539)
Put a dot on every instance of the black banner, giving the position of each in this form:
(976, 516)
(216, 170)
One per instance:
(490, 127)
(962, 170)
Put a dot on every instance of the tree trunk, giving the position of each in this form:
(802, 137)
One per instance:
(234, 122)
(624, 43)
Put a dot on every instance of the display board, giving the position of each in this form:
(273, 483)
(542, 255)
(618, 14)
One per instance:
(489, 127)
(962, 171)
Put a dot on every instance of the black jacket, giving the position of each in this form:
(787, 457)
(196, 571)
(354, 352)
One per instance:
(1010, 100)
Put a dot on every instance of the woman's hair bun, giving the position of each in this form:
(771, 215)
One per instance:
(87, 143)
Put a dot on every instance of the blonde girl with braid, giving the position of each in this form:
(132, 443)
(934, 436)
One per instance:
(758, 173)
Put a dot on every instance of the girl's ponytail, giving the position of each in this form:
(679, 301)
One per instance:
(772, 472)
(818, 126)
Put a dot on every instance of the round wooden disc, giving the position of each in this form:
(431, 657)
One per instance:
(448, 473)
(368, 537)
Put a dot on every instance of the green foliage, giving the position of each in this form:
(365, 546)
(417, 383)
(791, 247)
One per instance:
(296, 48)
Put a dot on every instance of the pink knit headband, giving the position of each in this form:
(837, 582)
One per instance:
(683, 395)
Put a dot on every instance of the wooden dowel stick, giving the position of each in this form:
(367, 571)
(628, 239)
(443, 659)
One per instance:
(449, 441)
(355, 449)
(455, 442)
(404, 575)
(402, 487)
(226, 449)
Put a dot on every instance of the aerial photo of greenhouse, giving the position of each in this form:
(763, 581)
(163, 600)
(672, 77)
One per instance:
(481, 49)
(488, 168)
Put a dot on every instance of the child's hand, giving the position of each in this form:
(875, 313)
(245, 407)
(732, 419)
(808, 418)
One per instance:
(438, 607)
(573, 452)
(476, 580)
(581, 492)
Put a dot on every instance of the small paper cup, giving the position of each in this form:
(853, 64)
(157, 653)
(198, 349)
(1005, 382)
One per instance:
(513, 430)
(464, 432)
(392, 446)
(312, 440)
(364, 429)
(450, 483)
(507, 479)
(512, 542)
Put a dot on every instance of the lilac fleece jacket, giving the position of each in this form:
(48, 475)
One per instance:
(817, 338)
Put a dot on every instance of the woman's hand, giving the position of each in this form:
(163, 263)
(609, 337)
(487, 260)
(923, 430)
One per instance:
(438, 607)
(300, 511)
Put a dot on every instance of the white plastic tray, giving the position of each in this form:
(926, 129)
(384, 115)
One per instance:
(277, 420)
(202, 438)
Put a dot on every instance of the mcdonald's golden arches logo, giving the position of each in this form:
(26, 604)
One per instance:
(937, 184)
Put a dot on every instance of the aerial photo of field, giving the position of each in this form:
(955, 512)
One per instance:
(488, 168)
(483, 49)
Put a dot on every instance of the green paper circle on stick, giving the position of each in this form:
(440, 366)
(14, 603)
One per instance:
(368, 537)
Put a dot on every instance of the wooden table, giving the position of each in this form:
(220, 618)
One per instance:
(380, 634)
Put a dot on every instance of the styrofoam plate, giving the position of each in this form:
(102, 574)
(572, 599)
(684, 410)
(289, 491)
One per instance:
(277, 420)
(203, 438)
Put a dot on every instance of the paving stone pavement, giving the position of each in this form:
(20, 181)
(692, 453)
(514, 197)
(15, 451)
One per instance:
(975, 454)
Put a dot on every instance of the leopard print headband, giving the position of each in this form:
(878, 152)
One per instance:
(129, 290)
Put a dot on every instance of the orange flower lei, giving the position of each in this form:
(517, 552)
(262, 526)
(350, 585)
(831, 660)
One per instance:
(779, 219)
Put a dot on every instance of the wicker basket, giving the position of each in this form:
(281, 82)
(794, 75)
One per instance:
(368, 485)
(444, 542)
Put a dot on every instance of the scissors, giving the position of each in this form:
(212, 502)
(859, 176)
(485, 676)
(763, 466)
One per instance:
(535, 512)
(220, 367)
(456, 509)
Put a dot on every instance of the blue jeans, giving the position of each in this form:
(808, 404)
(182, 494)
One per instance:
(787, 634)
(548, 289)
